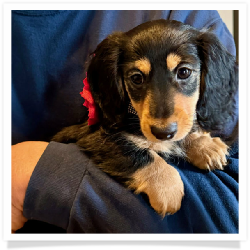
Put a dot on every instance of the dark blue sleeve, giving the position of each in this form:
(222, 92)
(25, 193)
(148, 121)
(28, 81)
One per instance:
(80, 198)
(66, 189)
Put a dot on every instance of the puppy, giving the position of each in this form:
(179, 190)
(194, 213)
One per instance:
(179, 84)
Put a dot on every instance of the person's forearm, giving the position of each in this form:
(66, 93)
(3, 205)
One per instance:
(25, 156)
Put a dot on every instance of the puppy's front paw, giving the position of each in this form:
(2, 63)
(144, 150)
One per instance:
(207, 153)
(163, 185)
(166, 199)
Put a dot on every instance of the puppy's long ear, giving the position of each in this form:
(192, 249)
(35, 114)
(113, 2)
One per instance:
(219, 84)
(105, 80)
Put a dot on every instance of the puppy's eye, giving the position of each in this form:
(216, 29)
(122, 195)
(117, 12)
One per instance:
(183, 73)
(137, 79)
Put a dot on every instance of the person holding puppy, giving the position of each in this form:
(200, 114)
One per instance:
(49, 51)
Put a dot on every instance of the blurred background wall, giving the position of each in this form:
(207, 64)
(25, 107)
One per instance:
(231, 19)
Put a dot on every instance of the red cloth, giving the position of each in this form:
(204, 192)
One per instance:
(89, 103)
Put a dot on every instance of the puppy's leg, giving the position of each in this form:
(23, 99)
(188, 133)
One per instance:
(206, 152)
(162, 183)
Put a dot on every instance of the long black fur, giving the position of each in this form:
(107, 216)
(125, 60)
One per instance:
(219, 84)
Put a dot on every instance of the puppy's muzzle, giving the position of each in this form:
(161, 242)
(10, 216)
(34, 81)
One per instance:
(165, 133)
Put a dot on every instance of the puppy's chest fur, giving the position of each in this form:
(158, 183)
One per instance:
(164, 148)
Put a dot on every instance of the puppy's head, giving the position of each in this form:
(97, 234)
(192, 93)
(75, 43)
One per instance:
(167, 71)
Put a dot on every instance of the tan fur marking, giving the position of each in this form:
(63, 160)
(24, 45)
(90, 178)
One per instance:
(162, 183)
(184, 110)
(172, 61)
(138, 106)
(143, 65)
(206, 152)
(146, 120)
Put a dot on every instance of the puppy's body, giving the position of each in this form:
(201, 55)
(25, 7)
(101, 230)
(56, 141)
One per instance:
(166, 70)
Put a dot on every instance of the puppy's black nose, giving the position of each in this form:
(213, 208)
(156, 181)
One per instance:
(166, 133)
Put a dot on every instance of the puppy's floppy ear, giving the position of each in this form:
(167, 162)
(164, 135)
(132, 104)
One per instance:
(105, 80)
(219, 84)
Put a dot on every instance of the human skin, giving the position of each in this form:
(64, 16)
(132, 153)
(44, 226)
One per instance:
(24, 158)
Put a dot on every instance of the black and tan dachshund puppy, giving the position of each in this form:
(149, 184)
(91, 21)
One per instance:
(181, 82)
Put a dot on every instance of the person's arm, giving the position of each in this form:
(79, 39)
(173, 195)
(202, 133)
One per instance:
(24, 159)
(67, 190)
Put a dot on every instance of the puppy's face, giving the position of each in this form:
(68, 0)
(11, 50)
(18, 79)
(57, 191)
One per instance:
(171, 72)
(161, 74)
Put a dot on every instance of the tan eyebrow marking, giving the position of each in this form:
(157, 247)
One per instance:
(143, 65)
(172, 61)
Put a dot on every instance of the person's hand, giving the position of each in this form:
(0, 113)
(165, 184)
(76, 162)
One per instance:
(25, 156)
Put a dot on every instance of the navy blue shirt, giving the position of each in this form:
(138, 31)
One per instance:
(49, 52)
